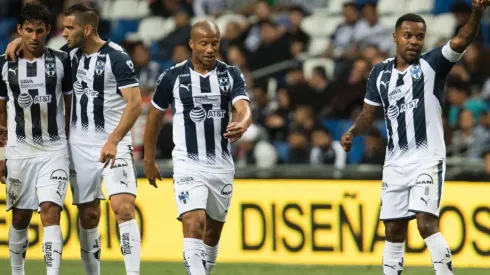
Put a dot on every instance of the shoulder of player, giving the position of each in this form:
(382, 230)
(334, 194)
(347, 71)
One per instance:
(385, 65)
(115, 52)
(233, 70)
(3, 61)
(61, 55)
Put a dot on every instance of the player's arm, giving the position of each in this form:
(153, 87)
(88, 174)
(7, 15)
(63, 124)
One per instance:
(161, 101)
(469, 31)
(131, 113)
(67, 88)
(242, 115)
(365, 119)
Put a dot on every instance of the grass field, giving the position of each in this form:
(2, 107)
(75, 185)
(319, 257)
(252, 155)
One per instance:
(150, 268)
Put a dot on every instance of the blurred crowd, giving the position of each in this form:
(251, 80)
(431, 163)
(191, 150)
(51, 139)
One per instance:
(300, 111)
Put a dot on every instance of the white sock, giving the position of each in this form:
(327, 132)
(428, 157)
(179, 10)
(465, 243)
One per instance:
(90, 250)
(393, 258)
(52, 249)
(193, 257)
(130, 246)
(18, 244)
(210, 255)
(440, 253)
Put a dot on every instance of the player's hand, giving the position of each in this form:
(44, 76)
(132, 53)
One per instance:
(13, 50)
(481, 4)
(3, 136)
(235, 131)
(108, 153)
(2, 171)
(346, 141)
(152, 173)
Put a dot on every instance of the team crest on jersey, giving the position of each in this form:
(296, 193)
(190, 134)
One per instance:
(224, 84)
(50, 68)
(99, 67)
(416, 72)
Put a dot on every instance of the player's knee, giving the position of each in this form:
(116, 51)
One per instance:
(124, 211)
(193, 224)
(427, 228)
(89, 217)
(21, 219)
(396, 232)
(50, 214)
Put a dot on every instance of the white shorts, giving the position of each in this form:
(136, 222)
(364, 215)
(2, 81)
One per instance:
(86, 173)
(411, 189)
(32, 181)
(203, 190)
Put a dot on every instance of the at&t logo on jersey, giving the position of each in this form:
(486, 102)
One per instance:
(394, 111)
(198, 114)
(25, 100)
(79, 90)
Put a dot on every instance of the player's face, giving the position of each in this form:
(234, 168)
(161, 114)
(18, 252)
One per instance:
(33, 35)
(409, 39)
(73, 32)
(205, 48)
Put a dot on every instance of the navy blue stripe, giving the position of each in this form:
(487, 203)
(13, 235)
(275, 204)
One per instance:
(83, 108)
(208, 121)
(31, 69)
(13, 80)
(51, 83)
(99, 100)
(440, 168)
(419, 114)
(386, 103)
(185, 93)
(74, 69)
(402, 127)
(37, 131)
(225, 106)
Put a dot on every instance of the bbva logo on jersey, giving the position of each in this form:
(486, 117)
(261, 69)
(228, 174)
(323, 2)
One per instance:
(25, 100)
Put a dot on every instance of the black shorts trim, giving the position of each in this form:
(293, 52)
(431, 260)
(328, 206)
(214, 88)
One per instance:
(418, 211)
(179, 218)
(398, 219)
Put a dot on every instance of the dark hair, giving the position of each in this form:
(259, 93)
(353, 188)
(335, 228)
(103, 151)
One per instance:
(85, 14)
(34, 12)
(351, 4)
(321, 71)
(410, 17)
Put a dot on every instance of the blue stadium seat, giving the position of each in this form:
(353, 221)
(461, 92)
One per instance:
(282, 148)
(119, 28)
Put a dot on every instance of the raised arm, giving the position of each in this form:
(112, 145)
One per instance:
(468, 32)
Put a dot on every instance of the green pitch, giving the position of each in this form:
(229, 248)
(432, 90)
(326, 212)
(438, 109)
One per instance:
(150, 268)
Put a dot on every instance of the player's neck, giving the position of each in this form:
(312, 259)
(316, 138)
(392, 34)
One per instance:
(200, 68)
(92, 45)
(401, 64)
(28, 55)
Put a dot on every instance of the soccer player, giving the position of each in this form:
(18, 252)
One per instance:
(35, 97)
(106, 103)
(410, 88)
(200, 91)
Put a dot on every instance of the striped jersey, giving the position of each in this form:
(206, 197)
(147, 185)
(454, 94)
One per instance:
(98, 104)
(35, 107)
(201, 106)
(412, 104)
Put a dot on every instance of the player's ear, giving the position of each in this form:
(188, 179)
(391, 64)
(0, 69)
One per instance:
(395, 39)
(19, 29)
(48, 29)
(191, 44)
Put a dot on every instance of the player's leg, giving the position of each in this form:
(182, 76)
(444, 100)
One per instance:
(220, 192)
(22, 200)
(52, 185)
(85, 180)
(121, 186)
(395, 215)
(191, 195)
(425, 199)
(18, 239)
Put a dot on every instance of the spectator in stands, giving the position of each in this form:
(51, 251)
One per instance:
(235, 56)
(278, 122)
(473, 65)
(179, 54)
(300, 92)
(325, 150)
(233, 35)
(253, 149)
(464, 136)
(304, 120)
(459, 97)
(146, 69)
(349, 94)
(209, 7)
(299, 150)
(274, 46)
(168, 8)
(298, 38)
(179, 36)
(375, 148)
(371, 32)
(253, 38)
(342, 45)
(260, 106)
(481, 141)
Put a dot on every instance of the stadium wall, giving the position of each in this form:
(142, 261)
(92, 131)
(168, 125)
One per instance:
(332, 222)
